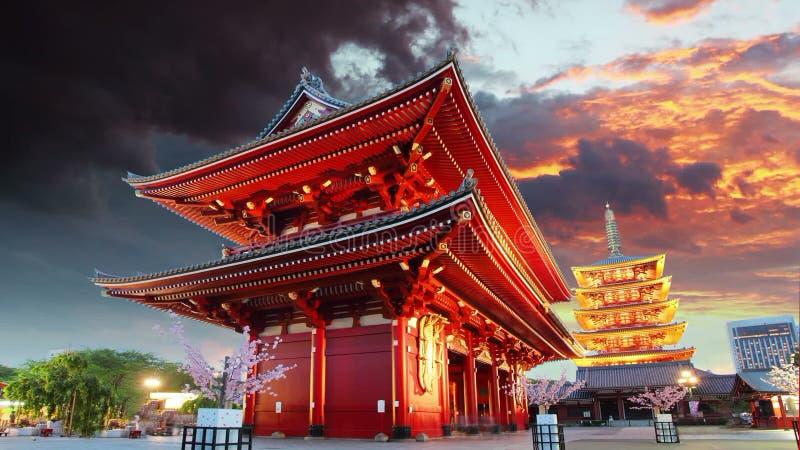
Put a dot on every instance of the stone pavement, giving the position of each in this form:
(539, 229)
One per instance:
(692, 438)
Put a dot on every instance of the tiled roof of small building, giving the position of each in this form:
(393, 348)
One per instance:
(712, 384)
(580, 394)
(632, 375)
(654, 375)
(755, 379)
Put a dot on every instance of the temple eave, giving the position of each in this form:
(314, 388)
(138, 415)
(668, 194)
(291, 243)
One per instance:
(635, 357)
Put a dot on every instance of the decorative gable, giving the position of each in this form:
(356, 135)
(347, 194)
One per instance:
(308, 102)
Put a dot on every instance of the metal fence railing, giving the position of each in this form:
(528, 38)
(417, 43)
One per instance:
(214, 438)
(548, 437)
(796, 433)
(666, 433)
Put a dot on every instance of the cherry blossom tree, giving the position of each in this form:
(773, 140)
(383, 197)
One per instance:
(230, 384)
(660, 399)
(784, 377)
(547, 393)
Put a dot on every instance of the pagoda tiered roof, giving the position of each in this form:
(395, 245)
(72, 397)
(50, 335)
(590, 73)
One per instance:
(649, 291)
(625, 311)
(638, 314)
(630, 338)
(456, 233)
(583, 273)
(634, 357)
(400, 149)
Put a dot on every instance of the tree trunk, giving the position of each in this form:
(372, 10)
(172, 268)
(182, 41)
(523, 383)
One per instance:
(71, 413)
(656, 410)
(542, 409)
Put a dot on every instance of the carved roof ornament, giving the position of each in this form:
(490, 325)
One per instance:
(310, 80)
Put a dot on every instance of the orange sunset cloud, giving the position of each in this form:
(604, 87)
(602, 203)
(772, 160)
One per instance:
(668, 11)
(709, 134)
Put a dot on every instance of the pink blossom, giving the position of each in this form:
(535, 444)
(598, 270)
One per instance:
(239, 377)
(784, 377)
(659, 399)
(547, 393)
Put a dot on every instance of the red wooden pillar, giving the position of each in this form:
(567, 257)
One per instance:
(445, 386)
(494, 392)
(402, 422)
(526, 414)
(781, 421)
(318, 369)
(505, 404)
(620, 406)
(470, 385)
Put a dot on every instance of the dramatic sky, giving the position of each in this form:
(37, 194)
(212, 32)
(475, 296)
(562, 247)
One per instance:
(683, 114)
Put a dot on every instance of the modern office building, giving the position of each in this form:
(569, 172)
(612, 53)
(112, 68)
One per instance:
(761, 343)
(757, 345)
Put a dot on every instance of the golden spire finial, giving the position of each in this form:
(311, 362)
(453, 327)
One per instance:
(612, 233)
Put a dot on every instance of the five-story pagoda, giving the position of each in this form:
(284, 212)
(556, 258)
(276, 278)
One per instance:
(625, 313)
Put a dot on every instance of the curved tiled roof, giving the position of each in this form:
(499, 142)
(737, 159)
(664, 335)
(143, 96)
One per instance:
(275, 136)
(317, 237)
(712, 384)
(755, 379)
(632, 375)
(619, 259)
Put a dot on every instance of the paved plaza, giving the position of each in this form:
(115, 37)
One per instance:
(694, 438)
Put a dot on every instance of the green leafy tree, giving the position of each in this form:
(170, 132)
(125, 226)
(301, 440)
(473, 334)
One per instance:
(62, 386)
(7, 373)
(124, 373)
(192, 406)
(92, 386)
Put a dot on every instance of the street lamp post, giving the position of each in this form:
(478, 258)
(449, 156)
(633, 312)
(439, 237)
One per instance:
(151, 384)
(689, 381)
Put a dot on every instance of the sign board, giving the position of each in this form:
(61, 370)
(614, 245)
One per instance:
(381, 406)
(278, 407)
(546, 419)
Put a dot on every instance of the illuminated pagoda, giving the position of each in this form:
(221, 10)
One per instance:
(625, 311)
(380, 241)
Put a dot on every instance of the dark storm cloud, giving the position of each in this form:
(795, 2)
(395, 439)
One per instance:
(622, 172)
(758, 131)
(527, 127)
(680, 240)
(699, 177)
(618, 171)
(739, 216)
(767, 56)
(745, 188)
(89, 86)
